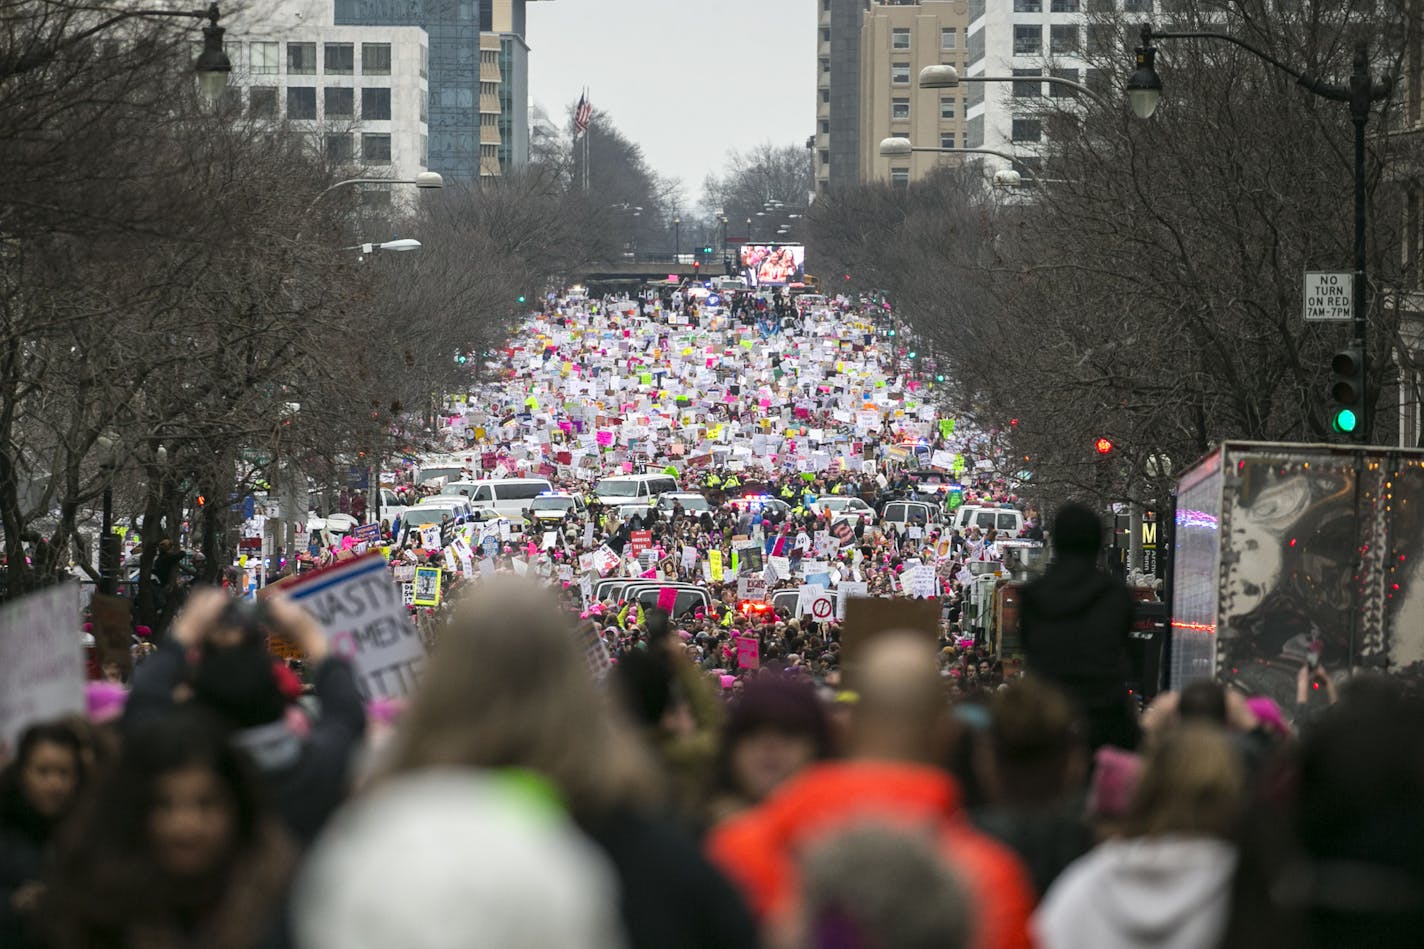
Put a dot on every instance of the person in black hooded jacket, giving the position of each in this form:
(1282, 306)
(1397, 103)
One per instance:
(1075, 622)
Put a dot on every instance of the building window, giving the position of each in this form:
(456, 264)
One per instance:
(1063, 38)
(825, 127)
(1136, 6)
(301, 102)
(339, 59)
(900, 74)
(1028, 90)
(946, 108)
(424, 61)
(340, 148)
(900, 37)
(946, 139)
(1027, 130)
(948, 38)
(900, 177)
(825, 36)
(1028, 39)
(1060, 91)
(375, 104)
(424, 106)
(825, 157)
(262, 102)
(376, 59)
(301, 59)
(1063, 6)
(900, 109)
(825, 95)
(1028, 6)
(264, 59)
(424, 151)
(340, 103)
(375, 149)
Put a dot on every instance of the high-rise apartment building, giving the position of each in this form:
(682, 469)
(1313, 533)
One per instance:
(1021, 38)
(897, 40)
(479, 109)
(361, 92)
(836, 155)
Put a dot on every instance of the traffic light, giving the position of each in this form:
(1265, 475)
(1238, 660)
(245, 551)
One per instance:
(697, 266)
(706, 252)
(461, 358)
(521, 298)
(939, 377)
(1103, 445)
(1347, 391)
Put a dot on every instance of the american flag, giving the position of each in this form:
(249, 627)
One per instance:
(583, 113)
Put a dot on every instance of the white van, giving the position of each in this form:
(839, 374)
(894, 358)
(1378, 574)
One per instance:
(509, 497)
(631, 489)
(1006, 520)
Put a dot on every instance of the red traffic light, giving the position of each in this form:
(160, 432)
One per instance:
(1103, 446)
(697, 265)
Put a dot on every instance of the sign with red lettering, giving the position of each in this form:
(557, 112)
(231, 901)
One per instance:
(639, 541)
(366, 620)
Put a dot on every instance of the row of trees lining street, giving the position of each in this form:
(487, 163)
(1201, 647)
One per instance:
(1145, 283)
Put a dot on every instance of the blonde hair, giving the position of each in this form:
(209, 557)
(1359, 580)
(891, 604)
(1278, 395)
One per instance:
(510, 686)
(1193, 782)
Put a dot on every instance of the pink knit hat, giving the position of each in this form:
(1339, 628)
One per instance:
(104, 701)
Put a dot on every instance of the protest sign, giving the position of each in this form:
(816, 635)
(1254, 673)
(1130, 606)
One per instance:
(639, 541)
(749, 558)
(41, 661)
(427, 586)
(751, 588)
(667, 598)
(848, 589)
(367, 534)
(366, 621)
(816, 603)
(748, 652)
(714, 562)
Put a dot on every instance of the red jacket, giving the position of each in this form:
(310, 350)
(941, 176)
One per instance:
(758, 849)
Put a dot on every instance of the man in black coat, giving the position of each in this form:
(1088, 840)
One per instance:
(1075, 623)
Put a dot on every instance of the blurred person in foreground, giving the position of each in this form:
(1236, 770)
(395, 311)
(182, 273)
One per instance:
(218, 658)
(1166, 882)
(774, 729)
(1033, 765)
(873, 886)
(448, 857)
(899, 726)
(1333, 849)
(177, 847)
(512, 689)
(38, 793)
(1075, 622)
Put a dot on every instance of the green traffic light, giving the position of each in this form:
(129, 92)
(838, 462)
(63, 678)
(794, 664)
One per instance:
(1345, 421)
(521, 298)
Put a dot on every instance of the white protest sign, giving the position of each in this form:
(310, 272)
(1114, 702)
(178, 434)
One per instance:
(751, 588)
(41, 661)
(847, 590)
(365, 618)
(816, 603)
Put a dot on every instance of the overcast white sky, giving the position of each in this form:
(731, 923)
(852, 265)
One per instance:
(686, 80)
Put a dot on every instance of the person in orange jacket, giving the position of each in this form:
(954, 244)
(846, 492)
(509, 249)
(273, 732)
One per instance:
(899, 727)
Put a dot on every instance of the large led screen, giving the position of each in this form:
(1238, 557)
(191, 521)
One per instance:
(773, 265)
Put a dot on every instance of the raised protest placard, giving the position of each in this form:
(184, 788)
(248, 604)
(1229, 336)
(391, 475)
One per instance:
(816, 603)
(427, 587)
(848, 589)
(366, 620)
(367, 534)
(751, 588)
(41, 661)
(748, 652)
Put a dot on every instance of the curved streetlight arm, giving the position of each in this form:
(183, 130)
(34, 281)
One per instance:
(1051, 80)
(37, 59)
(360, 181)
(1006, 156)
(1308, 80)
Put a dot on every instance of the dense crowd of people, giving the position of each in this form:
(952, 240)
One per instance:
(576, 769)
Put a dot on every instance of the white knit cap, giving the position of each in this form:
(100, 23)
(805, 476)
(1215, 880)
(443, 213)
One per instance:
(450, 858)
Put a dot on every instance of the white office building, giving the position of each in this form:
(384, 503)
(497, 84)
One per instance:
(361, 91)
(1023, 38)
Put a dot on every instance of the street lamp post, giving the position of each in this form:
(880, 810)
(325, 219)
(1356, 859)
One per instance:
(677, 236)
(425, 181)
(108, 552)
(947, 77)
(1144, 91)
(212, 65)
(900, 147)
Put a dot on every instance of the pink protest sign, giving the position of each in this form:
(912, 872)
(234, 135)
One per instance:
(667, 598)
(748, 653)
(604, 438)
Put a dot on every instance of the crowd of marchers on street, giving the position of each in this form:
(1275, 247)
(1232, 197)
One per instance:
(673, 690)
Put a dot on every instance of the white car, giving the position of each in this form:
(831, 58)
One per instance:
(842, 508)
(554, 505)
(692, 503)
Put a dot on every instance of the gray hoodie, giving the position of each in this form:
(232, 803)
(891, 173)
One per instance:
(1162, 892)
